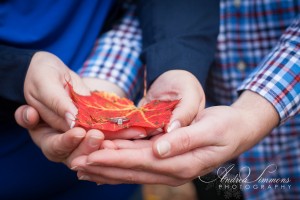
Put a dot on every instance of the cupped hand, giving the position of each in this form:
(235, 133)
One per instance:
(45, 90)
(183, 154)
(55, 145)
(61, 146)
(28, 117)
(217, 135)
(174, 85)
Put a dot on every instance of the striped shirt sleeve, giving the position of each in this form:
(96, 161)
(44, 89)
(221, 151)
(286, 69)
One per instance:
(278, 77)
(115, 56)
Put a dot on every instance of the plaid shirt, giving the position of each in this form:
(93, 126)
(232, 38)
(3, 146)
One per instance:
(115, 56)
(258, 50)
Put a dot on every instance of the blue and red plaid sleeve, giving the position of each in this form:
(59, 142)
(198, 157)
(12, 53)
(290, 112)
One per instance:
(115, 56)
(278, 77)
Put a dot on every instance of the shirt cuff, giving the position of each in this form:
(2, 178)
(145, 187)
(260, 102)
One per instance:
(277, 79)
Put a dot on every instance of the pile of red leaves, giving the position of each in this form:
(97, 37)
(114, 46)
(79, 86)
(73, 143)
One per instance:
(108, 112)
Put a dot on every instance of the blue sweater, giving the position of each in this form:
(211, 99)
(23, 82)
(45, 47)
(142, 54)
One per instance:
(67, 28)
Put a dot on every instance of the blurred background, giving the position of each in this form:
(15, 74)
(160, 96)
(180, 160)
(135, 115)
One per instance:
(163, 192)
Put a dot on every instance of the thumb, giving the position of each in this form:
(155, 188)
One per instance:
(27, 117)
(186, 110)
(58, 101)
(182, 140)
(62, 103)
(57, 146)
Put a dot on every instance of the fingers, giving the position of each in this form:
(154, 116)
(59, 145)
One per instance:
(57, 99)
(50, 117)
(44, 83)
(138, 165)
(129, 133)
(192, 100)
(27, 117)
(92, 142)
(110, 175)
(56, 147)
(184, 139)
(126, 144)
(138, 159)
(108, 144)
(174, 85)
(124, 157)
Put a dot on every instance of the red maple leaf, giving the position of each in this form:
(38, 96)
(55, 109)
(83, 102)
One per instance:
(108, 112)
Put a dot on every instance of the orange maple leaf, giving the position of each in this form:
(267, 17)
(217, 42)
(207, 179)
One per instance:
(108, 112)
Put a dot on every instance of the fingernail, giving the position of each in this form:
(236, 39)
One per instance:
(84, 178)
(25, 115)
(94, 139)
(140, 136)
(99, 184)
(163, 148)
(79, 135)
(159, 130)
(70, 118)
(77, 138)
(76, 168)
(174, 125)
(72, 124)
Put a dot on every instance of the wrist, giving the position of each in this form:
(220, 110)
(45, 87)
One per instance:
(258, 114)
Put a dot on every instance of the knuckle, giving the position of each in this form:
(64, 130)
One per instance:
(189, 117)
(130, 178)
(55, 104)
(50, 156)
(204, 162)
(59, 153)
(54, 152)
(187, 173)
(183, 172)
(185, 141)
(58, 123)
(186, 116)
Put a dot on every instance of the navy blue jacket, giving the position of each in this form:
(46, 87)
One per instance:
(179, 34)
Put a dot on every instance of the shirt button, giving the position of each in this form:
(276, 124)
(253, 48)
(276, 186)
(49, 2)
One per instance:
(241, 66)
(237, 3)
